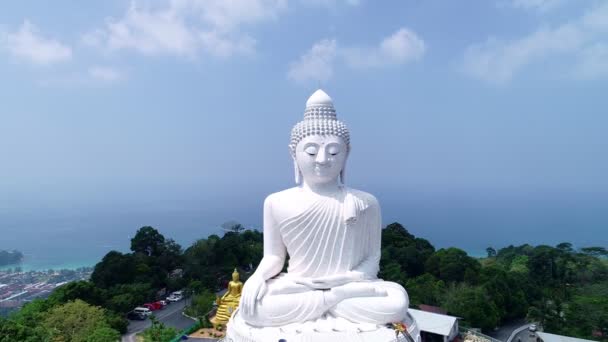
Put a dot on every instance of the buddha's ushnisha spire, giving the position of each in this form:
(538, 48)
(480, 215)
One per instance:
(319, 98)
(319, 118)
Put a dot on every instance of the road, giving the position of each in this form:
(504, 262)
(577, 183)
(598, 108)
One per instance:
(524, 335)
(506, 329)
(171, 316)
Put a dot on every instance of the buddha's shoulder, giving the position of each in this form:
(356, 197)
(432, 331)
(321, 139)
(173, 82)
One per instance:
(365, 197)
(291, 193)
(284, 195)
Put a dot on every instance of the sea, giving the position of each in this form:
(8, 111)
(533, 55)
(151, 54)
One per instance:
(68, 238)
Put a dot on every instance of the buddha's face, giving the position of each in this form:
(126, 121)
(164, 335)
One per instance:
(321, 158)
(235, 277)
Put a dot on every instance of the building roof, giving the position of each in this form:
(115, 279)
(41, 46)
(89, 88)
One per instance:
(546, 337)
(434, 323)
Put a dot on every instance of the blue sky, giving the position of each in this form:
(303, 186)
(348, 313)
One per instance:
(467, 118)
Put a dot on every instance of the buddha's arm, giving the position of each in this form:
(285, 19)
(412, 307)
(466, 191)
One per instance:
(229, 291)
(274, 249)
(271, 264)
(369, 267)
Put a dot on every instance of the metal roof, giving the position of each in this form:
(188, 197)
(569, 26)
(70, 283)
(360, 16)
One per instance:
(434, 323)
(546, 337)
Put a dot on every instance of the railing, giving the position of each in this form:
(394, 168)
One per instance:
(468, 331)
(518, 330)
(189, 330)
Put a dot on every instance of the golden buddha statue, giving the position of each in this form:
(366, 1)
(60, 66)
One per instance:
(228, 303)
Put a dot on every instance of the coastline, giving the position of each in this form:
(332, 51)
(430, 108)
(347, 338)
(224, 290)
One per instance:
(36, 266)
(28, 264)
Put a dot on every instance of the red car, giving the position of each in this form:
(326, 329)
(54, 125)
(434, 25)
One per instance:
(153, 306)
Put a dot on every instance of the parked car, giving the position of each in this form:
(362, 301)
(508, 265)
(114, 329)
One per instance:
(143, 310)
(164, 303)
(136, 316)
(153, 306)
(173, 298)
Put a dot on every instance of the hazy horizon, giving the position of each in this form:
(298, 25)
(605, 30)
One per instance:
(474, 124)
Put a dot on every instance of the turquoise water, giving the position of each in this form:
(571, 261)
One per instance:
(34, 266)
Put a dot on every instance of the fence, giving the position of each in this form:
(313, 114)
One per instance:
(469, 331)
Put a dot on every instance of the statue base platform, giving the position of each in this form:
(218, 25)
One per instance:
(325, 329)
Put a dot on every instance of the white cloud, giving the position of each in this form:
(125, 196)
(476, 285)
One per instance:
(593, 62)
(537, 5)
(316, 64)
(105, 74)
(217, 45)
(227, 16)
(401, 47)
(186, 27)
(330, 3)
(498, 61)
(29, 44)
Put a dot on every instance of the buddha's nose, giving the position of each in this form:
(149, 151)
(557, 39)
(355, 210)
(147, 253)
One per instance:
(321, 157)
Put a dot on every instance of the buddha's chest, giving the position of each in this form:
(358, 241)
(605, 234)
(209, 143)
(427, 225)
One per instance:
(289, 207)
(319, 241)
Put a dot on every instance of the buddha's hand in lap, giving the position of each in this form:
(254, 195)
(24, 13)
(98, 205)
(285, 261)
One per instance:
(331, 281)
(253, 291)
(358, 289)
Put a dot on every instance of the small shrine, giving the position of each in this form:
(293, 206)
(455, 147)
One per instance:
(229, 302)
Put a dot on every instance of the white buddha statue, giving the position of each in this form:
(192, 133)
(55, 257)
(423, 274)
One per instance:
(332, 236)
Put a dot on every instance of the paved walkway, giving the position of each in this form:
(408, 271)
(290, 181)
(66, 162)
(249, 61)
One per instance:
(504, 332)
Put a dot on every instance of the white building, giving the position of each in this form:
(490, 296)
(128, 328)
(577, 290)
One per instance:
(546, 337)
(436, 324)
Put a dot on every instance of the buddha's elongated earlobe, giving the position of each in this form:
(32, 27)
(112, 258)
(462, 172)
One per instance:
(298, 174)
(343, 172)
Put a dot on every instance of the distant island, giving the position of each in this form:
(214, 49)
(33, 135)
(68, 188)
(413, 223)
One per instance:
(10, 257)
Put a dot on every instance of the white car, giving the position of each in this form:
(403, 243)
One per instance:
(532, 327)
(142, 310)
(173, 298)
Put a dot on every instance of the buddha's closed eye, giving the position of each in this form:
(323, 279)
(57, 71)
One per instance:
(311, 150)
(333, 150)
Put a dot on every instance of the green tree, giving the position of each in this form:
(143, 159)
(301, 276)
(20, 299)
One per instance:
(76, 321)
(83, 290)
(520, 265)
(201, 304)
(404, 249)
(148, 241)
(491, 252)
(453, 265)
(425, 289)
(12, 330)
(158, 332)
(565, 247)
(115, 268)
(595, 251)
(103, 334)
(473, 304)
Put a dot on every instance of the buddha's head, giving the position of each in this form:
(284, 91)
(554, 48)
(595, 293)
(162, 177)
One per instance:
(235, 275)
(320, 143)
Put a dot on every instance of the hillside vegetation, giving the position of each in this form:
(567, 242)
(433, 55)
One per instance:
(564, 289)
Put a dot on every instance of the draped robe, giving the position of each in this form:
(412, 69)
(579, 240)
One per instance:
(335, 235)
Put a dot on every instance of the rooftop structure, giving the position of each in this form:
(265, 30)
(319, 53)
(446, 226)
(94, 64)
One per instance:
(546, 337)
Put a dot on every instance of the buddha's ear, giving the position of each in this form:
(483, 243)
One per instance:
(343, 172)
(296, 169)
(297, 172)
